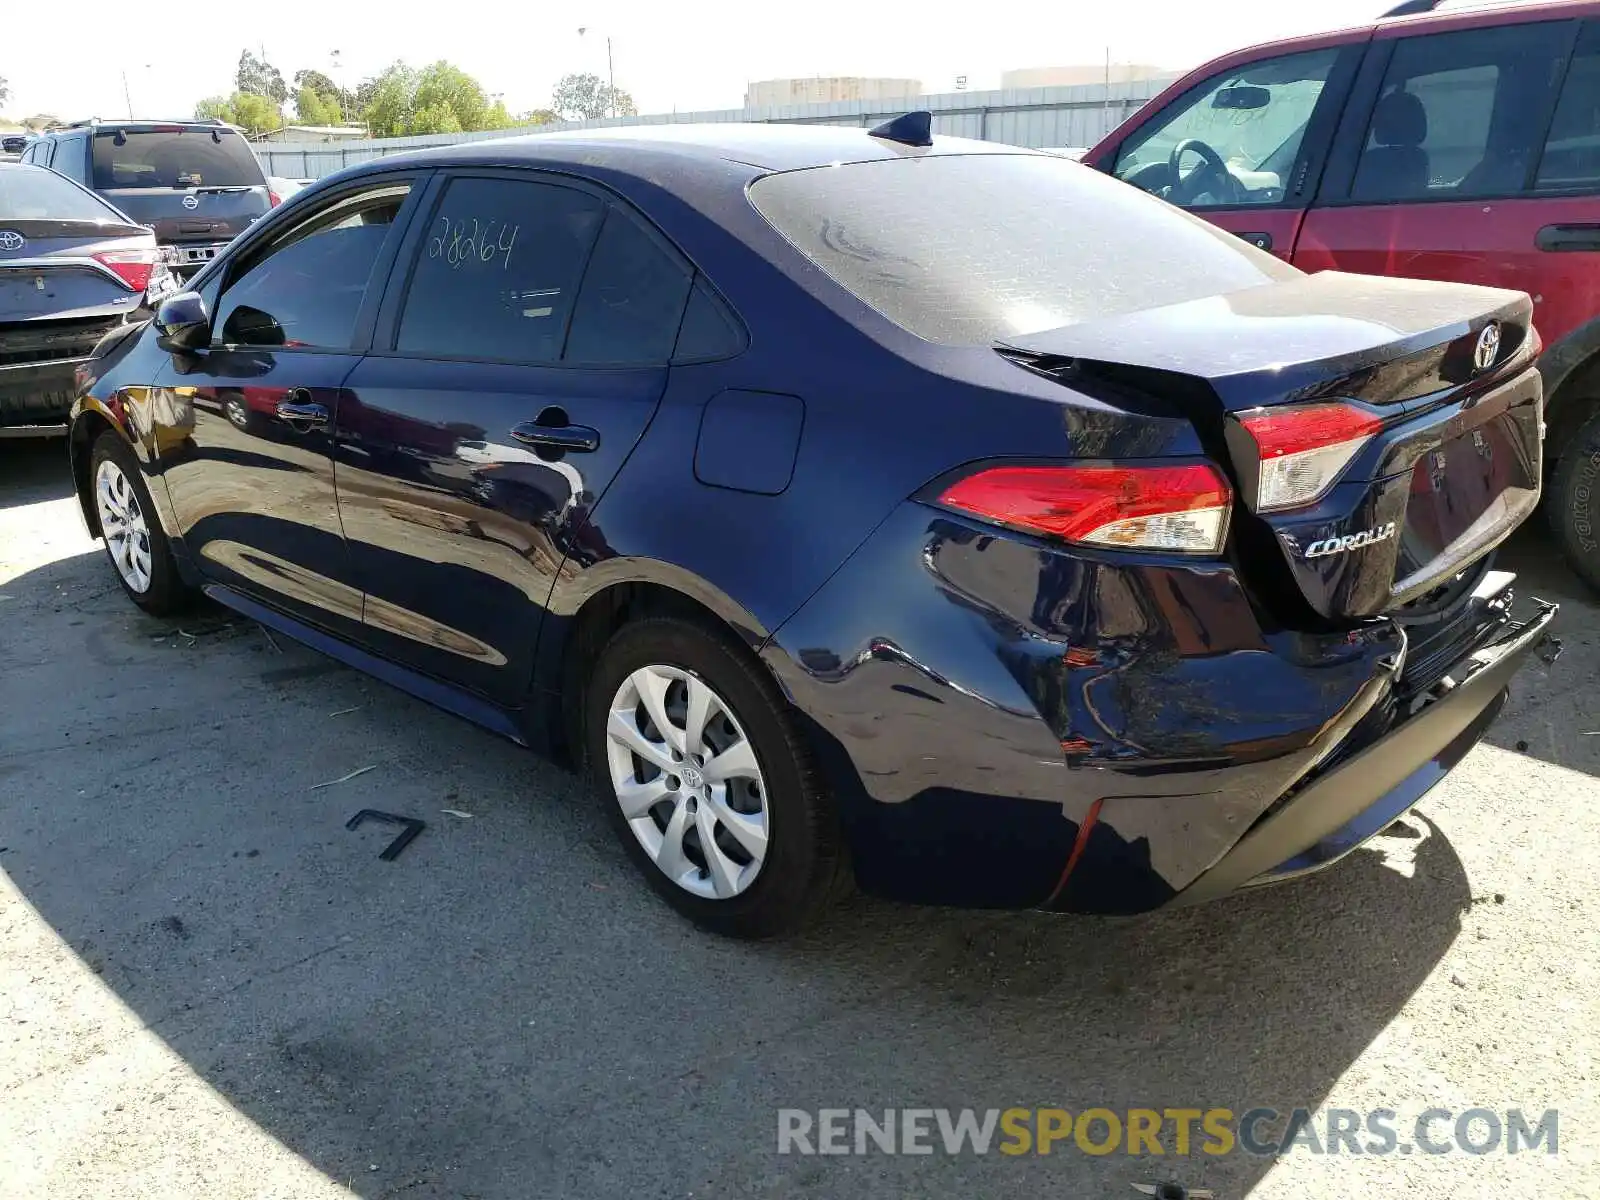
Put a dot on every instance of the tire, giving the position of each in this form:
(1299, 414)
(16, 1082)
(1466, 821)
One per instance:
(801, 856)
(1574, 501)
(141, 558)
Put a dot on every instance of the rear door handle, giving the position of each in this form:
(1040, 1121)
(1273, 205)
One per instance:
(299, 411)
(1261, 241)
(574, 439)
(1568, 237)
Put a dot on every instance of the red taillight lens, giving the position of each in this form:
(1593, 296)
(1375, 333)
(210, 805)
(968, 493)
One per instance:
(1182, 507)
(133, 267)
(273, 199)
(1304, 450)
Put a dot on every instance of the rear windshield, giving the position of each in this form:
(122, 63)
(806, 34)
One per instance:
(973, 249)
(175, 157)
(35, 194)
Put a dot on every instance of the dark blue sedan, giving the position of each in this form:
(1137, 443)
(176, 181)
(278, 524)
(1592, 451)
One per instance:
(851, 506)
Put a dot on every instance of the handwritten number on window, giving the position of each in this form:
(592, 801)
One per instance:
(471, 240)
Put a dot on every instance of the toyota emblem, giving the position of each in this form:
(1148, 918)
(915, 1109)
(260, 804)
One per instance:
(1488, 347)
(10, 239)
(191, 202)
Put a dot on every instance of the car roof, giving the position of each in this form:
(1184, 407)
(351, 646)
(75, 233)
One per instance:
(765, 147)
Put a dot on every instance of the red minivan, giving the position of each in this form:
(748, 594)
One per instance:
(1439, 143)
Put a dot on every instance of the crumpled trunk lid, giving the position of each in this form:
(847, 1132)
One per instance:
(1448, 368)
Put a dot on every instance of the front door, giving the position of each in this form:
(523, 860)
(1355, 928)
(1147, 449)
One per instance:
(519, 356)
(249, 468)
(1244, 147)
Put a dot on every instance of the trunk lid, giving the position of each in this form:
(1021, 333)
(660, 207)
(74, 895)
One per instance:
(214, 216)
(187, 183)
(51, 274)
(1452, 464)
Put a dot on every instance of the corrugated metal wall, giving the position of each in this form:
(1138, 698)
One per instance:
(1061, 116)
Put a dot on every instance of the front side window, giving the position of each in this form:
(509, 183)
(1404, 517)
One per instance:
(173, 156)
(498, 270)
(305, 289)
(1233, 140)
(1459, 114)
(975, 248)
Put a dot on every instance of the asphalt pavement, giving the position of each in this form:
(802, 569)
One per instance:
(209, 987)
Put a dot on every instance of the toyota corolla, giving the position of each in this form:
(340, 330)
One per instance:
(852, 505)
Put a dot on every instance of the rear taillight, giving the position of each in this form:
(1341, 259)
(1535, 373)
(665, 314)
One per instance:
(273, 199)
(1302, 451)
(1175, 507)
(133, 267)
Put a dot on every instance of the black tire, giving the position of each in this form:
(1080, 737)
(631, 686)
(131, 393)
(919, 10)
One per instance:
(804, 857)
(1574, 501)
(166, 594)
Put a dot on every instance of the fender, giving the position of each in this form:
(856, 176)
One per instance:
(1561, 361)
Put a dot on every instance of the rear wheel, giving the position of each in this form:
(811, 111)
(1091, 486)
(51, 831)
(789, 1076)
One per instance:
(705, 777)
(134, 541)
(1574, 500)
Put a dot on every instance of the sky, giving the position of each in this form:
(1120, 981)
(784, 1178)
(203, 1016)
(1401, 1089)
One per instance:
(686, 55)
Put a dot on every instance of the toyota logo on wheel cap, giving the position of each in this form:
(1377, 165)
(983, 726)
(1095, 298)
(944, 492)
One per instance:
(191, 202)
(1488, 347)
(10, 239)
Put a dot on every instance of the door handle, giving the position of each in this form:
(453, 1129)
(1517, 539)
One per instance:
(298, 410)
(1261, 241)
(1568, 237)
(572, 438)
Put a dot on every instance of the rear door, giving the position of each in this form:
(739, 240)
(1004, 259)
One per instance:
(522, 350)
(247, 458)
(189, 183)
(1243, 147)
(1441, 171)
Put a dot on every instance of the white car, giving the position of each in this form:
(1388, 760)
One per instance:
(283, 188)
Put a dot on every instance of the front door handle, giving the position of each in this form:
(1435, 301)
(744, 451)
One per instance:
(1261, 241)
(1568, 237)
(570, 438)
(298, 410)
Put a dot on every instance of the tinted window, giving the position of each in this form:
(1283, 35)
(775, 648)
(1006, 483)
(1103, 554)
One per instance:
(631, 301)
(1572, 151)
(34, 194)
(306, 288)
(1458, 114)
(707, 330)
(967, 249)
(1253, 119)
(497, 274)
(173, 157)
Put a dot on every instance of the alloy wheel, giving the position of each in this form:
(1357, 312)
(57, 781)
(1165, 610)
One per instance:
(123, 523)
(686, 777)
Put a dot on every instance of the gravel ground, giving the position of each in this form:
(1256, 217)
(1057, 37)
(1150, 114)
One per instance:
(209, 988)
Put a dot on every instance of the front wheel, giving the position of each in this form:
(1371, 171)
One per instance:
(1574, 501)
(134, 540)
(707, 781)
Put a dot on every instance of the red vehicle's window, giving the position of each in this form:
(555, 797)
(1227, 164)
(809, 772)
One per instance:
(1459, 114)
(1572, 151)
(1232, 140)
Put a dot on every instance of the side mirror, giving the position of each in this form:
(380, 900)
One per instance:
(1242, 97)
(183, 323)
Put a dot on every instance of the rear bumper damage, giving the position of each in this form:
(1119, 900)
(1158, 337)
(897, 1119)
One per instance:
(1370, 784)
(35, 397)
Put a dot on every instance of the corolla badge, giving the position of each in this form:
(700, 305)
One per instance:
(1488, 347)
(1354, 541)
(10, 239)
(191, 202)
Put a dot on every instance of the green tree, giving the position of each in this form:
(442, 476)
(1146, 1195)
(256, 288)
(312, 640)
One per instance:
(433, 118)
(252, 113)
(258, 77)
(442, 87)
(538, 116)
(218, 108)
(498, 117)
(313, 109)
(334, 99)
(386, 100)
(586, 97)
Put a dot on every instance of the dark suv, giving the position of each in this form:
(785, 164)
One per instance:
(194, 183)
(1458, 144)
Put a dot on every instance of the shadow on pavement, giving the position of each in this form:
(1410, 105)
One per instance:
(32, 470)
(506, 1011)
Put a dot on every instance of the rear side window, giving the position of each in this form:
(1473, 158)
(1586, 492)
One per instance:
(631, 302)
(173, 156)
(1572, 151)
(34, 194)
(1459, 114)
(497, 273)
(305, 290)
(970, 249)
